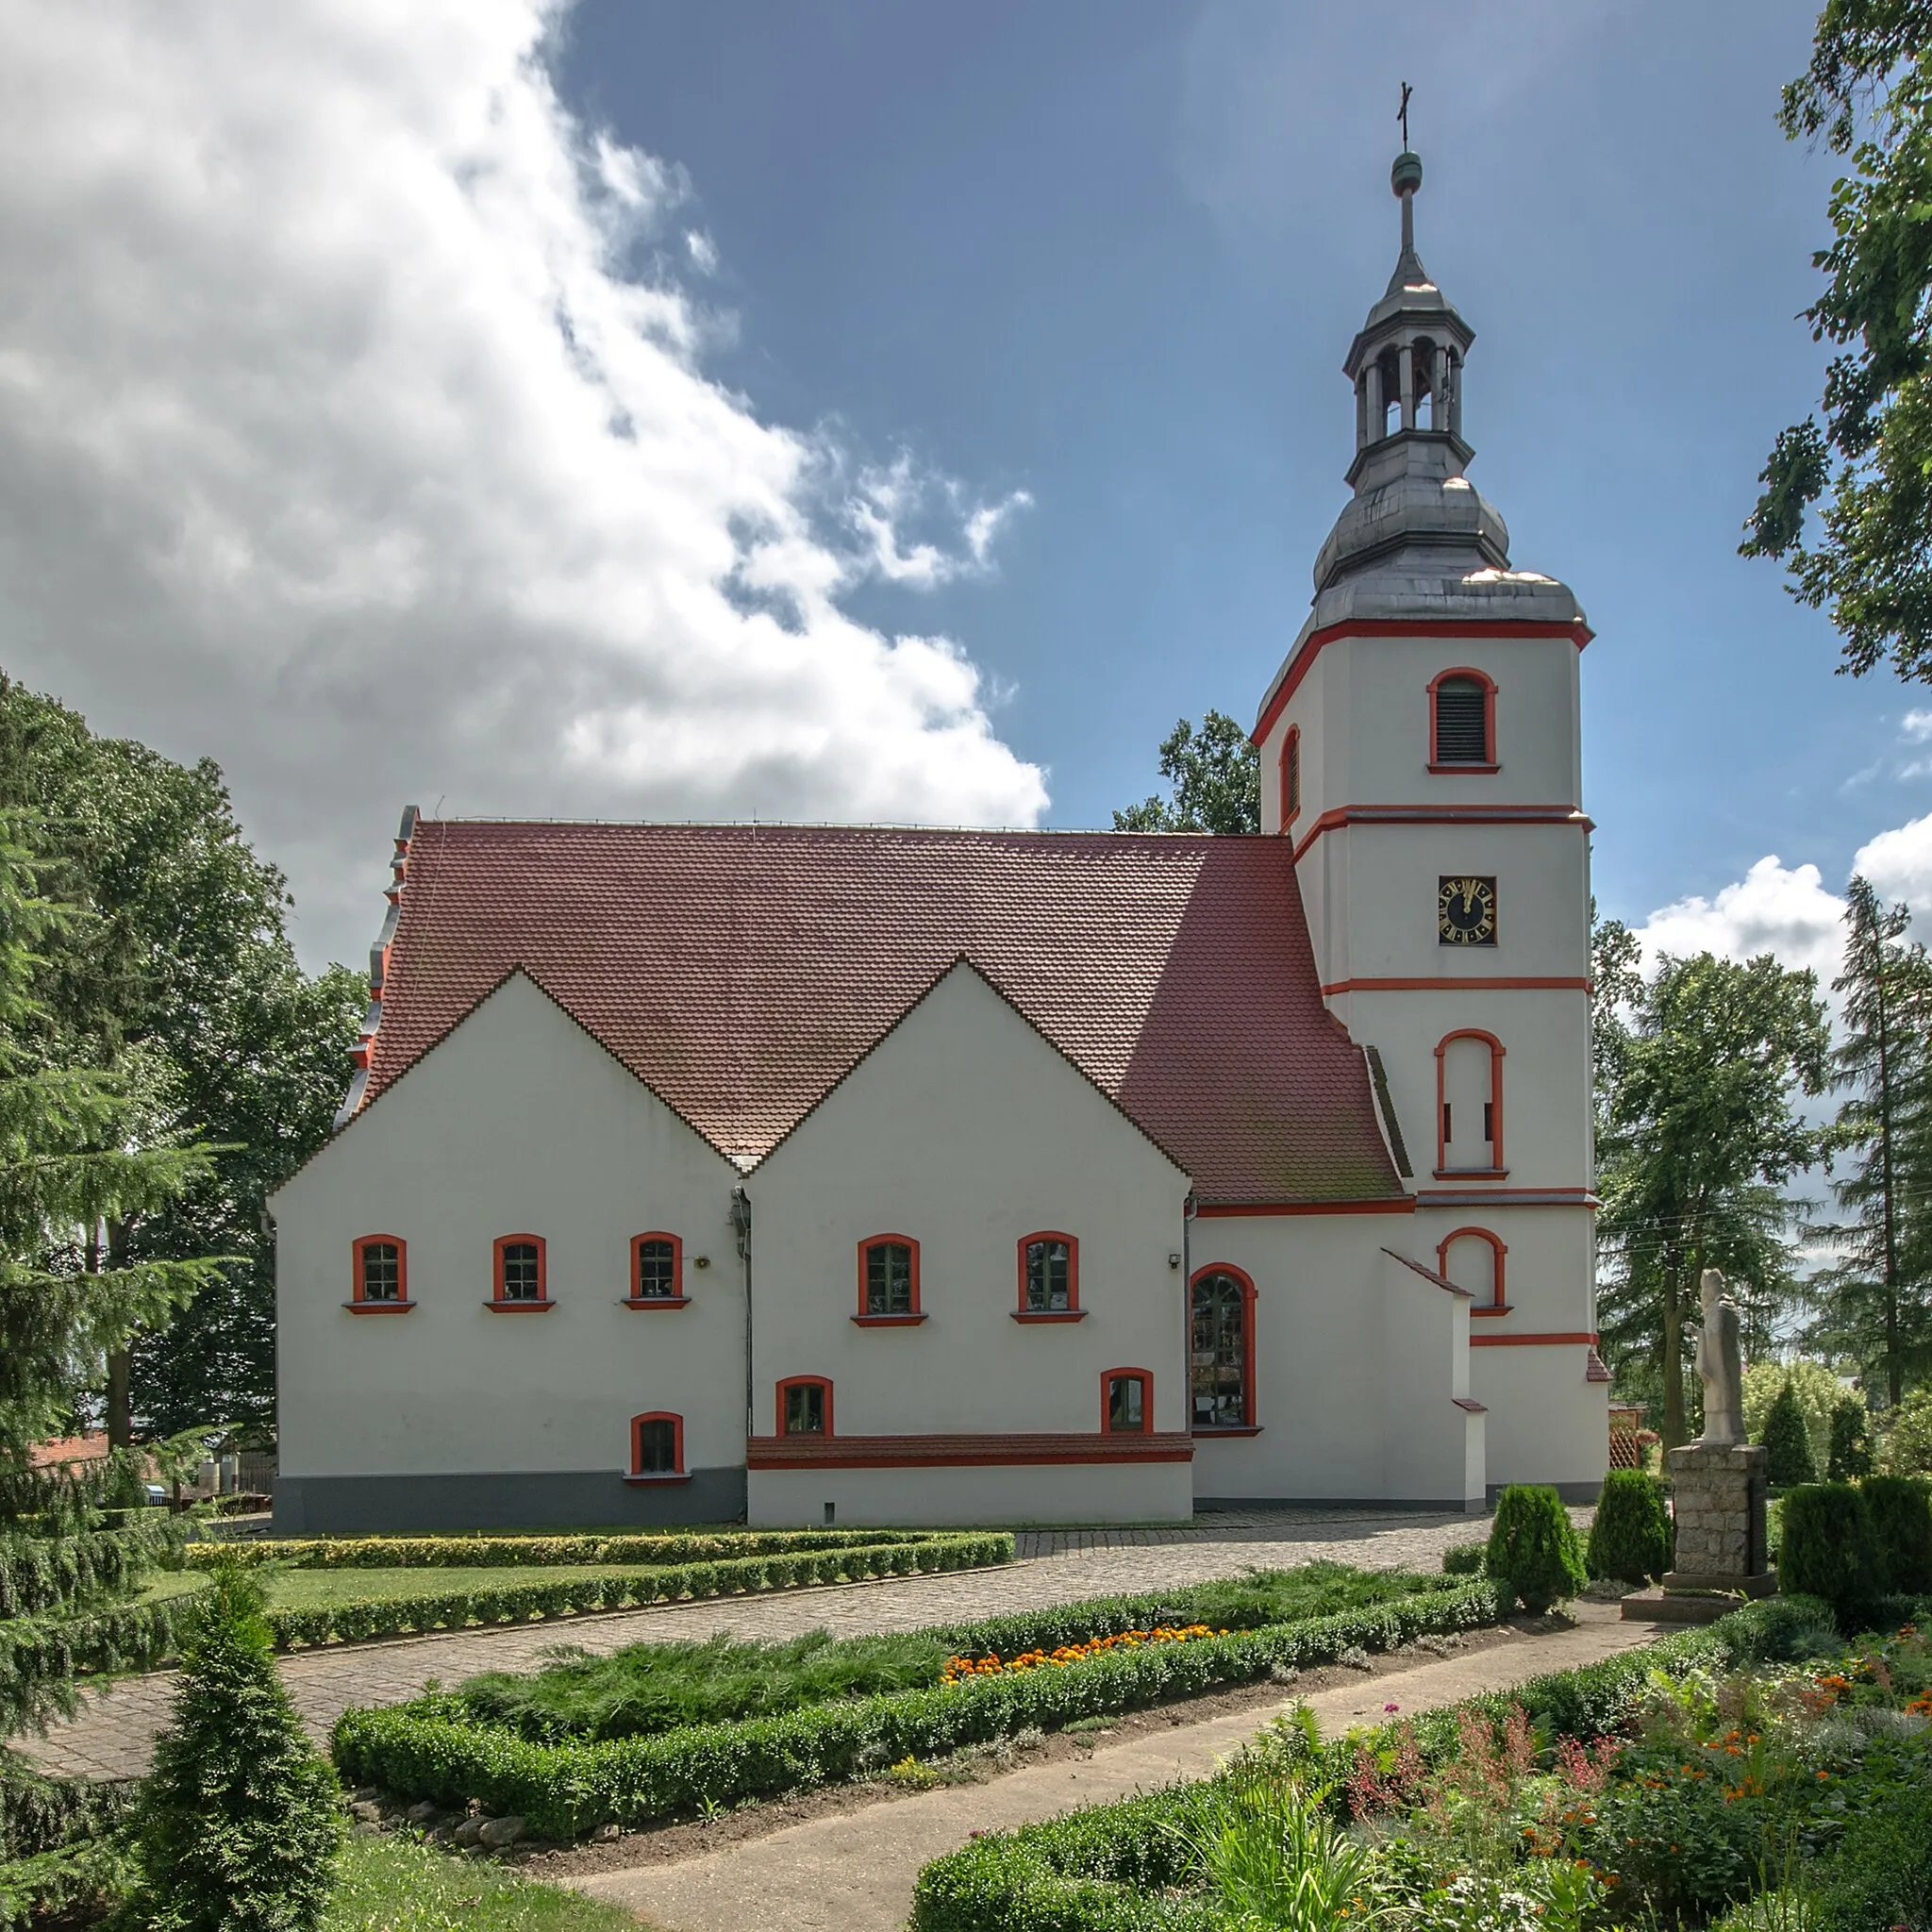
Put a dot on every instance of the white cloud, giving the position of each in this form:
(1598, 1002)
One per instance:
(1917, 725)
(1771, 909)
(1898, 866)
(337, 440)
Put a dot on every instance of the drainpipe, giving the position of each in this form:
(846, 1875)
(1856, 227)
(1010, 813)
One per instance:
(741, 1227)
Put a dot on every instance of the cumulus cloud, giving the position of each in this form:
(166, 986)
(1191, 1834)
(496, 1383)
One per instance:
(1787, 912)
(1898, 865)
(343, 437)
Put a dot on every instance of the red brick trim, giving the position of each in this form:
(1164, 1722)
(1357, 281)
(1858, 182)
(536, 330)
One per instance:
(1401, 1204)
(1531, 1340)
(1442, 815)
(1457, 985)
(960, 1452)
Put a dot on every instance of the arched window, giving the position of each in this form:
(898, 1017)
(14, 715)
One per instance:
(805, 1406)
(887, 1280)
(657, 1447)
(1049, 1277)
(1221, 1357)
(379, 1282)
(520, 1272)
(657, 1272)
(1291, 776)
(1472, 1258)
(1469, 1095)
(1127, 1402)
(1462, 722)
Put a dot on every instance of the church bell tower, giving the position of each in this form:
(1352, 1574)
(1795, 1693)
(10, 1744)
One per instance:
(1421, 750)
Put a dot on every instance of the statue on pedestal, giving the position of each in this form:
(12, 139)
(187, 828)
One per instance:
(1720, 1365)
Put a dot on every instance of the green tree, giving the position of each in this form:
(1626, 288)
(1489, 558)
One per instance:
(1867, 464)
(1698, 1133)
(1874, 1298)
(1814, 1386)
(1850, 1454)
(1788, 1444)
(1213, 774)
(181, 984)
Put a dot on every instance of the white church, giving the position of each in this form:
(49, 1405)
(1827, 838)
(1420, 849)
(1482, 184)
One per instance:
(858, 1175)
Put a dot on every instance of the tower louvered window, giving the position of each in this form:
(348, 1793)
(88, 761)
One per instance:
(1463, 723)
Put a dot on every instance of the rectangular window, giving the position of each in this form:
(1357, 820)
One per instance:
(805, 1409)
(521, 1277)
(1127, 1403)
(889, 1278)
(1048, 1277)
(657, 1270)
(1463, 723)
(658, 1446)
(382, 1271)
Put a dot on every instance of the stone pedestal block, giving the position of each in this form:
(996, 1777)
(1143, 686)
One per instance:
(1720, 1498)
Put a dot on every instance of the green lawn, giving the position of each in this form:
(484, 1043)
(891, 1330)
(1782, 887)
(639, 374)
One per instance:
(396, 1884)
(301, 1589)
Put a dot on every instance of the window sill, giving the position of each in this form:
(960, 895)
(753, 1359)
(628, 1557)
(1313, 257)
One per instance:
(1472, 1173)
(1490, 1308)
(656, 1301)
(1244, 1430)
(887, 1320)
(378, 1308)
(542, 1307)
(641, 1481)
(1048, 1314)
(1465, 771)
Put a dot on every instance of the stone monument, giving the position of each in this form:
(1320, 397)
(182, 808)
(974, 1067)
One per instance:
(1719, 1481)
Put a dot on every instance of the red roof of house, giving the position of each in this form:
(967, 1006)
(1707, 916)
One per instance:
(741, 970)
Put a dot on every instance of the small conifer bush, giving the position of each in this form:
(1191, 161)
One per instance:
(1533, 1553)
(1788, 1441)
(1900, 1508)
(1851, 1440)
(1630, 1538)
(1465, 1559)
(240, 1823)
(1828, 1549)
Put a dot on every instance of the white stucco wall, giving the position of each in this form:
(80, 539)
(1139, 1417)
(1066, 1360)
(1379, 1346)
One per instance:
(518, 1122)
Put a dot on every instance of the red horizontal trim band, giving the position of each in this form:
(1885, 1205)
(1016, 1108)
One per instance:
(1492, 1308)
(959, 1452)
(542, 1307)
(1403, 1205)
(1530, 1341)
(1456, 984)
(1508, 1197)
(378, 1308)
(656, 1301)
(1341, 815)
(1048, 1314)
(888, 1321)
(1421, 627)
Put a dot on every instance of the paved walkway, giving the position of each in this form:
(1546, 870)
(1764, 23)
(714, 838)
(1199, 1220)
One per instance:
(854, 1872)
(113, 1735)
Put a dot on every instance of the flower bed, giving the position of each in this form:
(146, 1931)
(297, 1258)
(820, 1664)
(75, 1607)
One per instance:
(1062, 1655)
(1667, 1784)
(435, 1748)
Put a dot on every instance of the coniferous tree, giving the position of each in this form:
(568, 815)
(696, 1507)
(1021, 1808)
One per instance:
(1851, 1441)
(1787, 1442)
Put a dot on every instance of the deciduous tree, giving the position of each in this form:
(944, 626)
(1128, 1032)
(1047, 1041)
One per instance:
(1213, 774)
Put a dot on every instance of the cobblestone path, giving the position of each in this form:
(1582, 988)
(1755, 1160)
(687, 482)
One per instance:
(114, 1732)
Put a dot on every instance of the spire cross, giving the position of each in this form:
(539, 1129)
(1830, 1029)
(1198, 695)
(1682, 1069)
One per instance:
(1402, 113)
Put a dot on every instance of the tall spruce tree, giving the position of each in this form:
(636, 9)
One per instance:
(1874, 1299)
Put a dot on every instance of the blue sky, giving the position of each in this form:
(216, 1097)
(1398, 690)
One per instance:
(858, 410)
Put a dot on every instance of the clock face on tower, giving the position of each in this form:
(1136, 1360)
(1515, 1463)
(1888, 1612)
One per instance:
(1466, 911)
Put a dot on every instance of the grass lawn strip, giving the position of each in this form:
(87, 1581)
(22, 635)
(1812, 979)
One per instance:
(392, 1885)
(435, 1748)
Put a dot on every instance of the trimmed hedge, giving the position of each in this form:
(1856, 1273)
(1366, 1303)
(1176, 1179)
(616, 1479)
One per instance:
(537, 1551)
(516, 1603)
(1630, 1538)
(1827, 1548)
(1104, 1869)
(1465, 1559)
(1900, 1508)
(432, 1749)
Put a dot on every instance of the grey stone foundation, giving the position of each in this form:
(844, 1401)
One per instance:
(1720, 1507)
(569, 1499)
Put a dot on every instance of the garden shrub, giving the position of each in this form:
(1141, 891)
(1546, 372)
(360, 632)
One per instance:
(1787, 1442)
(1630, 1538)
(1900, 1508)
(1851, 1440)
(240, 1822)
(1882, 1877)
(1905, 1436)
(1532, 1553)
(1828, 1549)
(1465, 1559)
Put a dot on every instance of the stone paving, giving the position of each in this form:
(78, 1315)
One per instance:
(113, 1734)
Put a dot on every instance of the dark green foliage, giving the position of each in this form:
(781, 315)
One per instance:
(1882, 1877)
(1630, 1538)
(1900, 1508)
(40, 1657)
(434, 1748)
(241, 1821)
(1829, 1548)
(38, 1574)
(1215, 774)
(1465, 1559)
(1851, 1441)
(1532, 1553)
(1788, 1461)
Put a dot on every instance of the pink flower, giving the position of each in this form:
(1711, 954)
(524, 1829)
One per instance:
(1391, 1706)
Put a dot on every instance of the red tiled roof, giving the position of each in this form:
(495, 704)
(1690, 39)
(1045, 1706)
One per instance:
(740, 970)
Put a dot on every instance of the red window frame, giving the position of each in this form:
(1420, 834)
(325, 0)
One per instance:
(806, 1382)
(638, 1474)
(357, 1304)
(1107, 1378)
(677, 1298)
(1498, 1304)
(914, 1315)
(1489, 766)
(1245, 1283)
(1290, 775)
(1072, 1311)
(1496, 1169)
(499, 1303)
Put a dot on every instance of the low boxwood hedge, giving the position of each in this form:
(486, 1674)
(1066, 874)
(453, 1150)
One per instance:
(1104, 1869)
(433, 1748)
(537, 1551)
(515, 1602)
